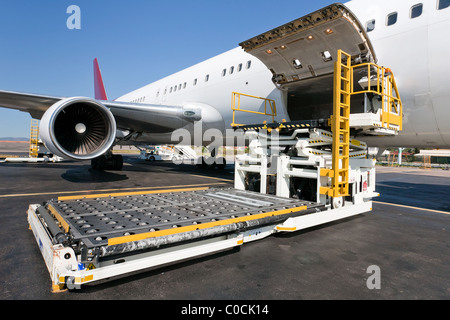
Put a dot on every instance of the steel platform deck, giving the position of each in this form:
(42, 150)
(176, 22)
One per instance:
(100, 221)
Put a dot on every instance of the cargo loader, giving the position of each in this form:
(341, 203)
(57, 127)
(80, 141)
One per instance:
(296, 175)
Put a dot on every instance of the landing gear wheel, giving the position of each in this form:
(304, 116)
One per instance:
(211, 163)
(201, 163)
(107, 162)
(221, 163)
(117, 162)
(99, 163)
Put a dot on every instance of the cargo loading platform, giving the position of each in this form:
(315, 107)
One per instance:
(307, 174)
(89, 238)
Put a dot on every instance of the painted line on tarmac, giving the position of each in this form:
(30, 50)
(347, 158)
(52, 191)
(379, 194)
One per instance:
(108, 190)
(213, 178)
(410, 207)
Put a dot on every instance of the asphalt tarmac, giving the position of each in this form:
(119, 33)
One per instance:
(404, 242)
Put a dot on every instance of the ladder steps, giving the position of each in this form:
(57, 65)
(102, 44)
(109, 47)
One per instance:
(34, 138)
(343, 75)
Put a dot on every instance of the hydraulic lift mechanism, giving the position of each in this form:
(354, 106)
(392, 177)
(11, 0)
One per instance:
(296, 175)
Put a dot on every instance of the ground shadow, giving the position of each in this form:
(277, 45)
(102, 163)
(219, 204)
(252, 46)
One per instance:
(84, 174)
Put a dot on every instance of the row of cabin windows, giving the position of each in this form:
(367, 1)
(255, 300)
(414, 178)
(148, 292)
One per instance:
(224, 72)
(239, 68)
(139, 100)
(415, 12)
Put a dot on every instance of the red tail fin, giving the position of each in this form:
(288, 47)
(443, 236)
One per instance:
(100, 92)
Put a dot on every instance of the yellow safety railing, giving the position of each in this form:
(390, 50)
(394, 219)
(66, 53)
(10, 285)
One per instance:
(270, 108)
(381, 82)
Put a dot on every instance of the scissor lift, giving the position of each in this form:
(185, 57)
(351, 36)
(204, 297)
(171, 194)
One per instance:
(296, 175)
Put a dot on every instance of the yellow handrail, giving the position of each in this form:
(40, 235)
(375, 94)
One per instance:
(386, 87)
(391, 115)
(236, 106)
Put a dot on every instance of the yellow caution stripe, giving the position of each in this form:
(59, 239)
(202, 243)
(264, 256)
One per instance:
(58, 217)
(286, 229)
(161, 233)
(78, 280)
(134, 193)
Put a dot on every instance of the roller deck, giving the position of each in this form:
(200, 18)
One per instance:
(89, 238)
(119, 219)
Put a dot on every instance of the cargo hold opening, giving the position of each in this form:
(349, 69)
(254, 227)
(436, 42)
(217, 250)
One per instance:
(301, 56)
(313, 99)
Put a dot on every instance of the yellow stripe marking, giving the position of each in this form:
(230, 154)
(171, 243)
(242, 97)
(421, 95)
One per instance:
(58, 217)
(213, 178)
(286, 229)
(154, 234)
(87, 278)
(410, 207)
(102, 190)
(121, 194)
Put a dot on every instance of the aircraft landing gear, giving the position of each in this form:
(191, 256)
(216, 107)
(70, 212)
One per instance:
(211, 163)
(107, 161)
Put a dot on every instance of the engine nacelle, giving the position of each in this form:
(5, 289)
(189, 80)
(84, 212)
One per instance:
(78, 128)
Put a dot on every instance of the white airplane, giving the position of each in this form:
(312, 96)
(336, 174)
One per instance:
(291, 64)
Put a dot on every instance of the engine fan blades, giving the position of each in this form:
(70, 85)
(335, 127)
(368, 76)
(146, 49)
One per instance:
(81, 129)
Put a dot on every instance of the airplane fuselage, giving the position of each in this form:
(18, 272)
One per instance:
(414, 48)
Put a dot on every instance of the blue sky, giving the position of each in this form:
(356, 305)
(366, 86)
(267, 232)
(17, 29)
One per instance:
(136, 42)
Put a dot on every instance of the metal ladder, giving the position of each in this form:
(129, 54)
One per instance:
(340, 127)
(34, 139)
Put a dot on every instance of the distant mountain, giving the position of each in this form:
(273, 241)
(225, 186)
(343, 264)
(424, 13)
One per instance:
(13, 139)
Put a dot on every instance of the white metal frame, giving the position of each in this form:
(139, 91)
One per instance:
(65, 271)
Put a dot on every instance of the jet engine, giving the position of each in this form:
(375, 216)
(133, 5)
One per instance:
(78, 128)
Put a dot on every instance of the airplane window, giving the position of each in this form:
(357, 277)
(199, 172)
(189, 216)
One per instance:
(239, 67)
(442, 4)
(231, 70)
(249, 64)
(184, 85)
(179, 86)
(171, 88)
(207, 78)
(224, 72)
(370, 26)
(416, 11)
(195, 82)
(175, 89)
(391, 19)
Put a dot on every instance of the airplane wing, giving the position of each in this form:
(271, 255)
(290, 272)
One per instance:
(129, 116)
(84, 128)
(34, 104)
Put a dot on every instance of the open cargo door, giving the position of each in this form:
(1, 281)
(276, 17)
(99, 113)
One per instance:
(301, 54)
